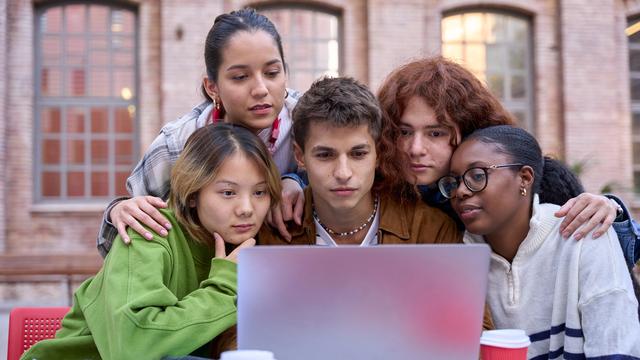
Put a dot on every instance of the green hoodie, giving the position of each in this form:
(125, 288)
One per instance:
(154, 298)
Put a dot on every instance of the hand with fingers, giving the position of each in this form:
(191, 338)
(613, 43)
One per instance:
(584, 213)
(290, 208)
(220, 251)
(140, 209)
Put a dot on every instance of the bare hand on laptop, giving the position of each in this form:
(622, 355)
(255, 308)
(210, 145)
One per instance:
(233, 256)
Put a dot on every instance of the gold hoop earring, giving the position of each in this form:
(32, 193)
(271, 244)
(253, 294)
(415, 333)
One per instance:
(523, 191)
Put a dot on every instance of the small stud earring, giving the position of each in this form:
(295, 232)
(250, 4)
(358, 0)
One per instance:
(523, 191)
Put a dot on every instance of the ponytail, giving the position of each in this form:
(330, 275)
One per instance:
(559, 184)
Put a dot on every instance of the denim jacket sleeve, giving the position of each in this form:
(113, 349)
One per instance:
(628, 231)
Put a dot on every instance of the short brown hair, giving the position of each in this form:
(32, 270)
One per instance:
(340, 102)
(205, 151)
(456, 96)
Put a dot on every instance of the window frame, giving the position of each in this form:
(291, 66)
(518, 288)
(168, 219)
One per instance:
(84, 103)
(511, 105)
(314, 8)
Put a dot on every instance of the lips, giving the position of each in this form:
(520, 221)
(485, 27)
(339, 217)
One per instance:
(417, 167)
(468, 211)
(343, 191)
(242, 228)
(261, 109)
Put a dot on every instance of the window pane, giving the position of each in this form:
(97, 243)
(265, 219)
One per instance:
(122, 22)
(122, 83)
(124, 152)
(516, 57)
(475, 57)
(51, 81)
(473, 27)
(99, 120)
(75, 152)
(51, 20)
(636, 124)
(99, 152)
(518, 88)
(452, 29)
(453, 52)
(99, 83)
(99, 184)
(123, 58)
(50, 183)
(50, 120)
(51, 152)
(99, 19)
(495, 82)
(634, 60)
(51, 50)
(75, 120)
(124, 121)
(635, 89)
(75, 18)
(121, 183)
(75, 50)
(75, 183)
(75, 82)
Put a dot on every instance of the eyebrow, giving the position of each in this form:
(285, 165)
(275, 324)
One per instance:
(327, 148)
(437, 126)
(229, 182)
(244, 66)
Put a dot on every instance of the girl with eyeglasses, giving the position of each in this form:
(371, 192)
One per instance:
(573, 298)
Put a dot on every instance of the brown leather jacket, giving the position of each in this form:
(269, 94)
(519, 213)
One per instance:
(412, 223)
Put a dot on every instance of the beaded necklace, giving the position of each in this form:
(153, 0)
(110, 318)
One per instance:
(347, 233)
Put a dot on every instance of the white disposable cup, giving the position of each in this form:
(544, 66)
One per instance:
(247, 355)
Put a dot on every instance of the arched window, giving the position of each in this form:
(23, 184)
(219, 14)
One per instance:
(496, 47)
(633, 33)
(86, 95)
(310, 38)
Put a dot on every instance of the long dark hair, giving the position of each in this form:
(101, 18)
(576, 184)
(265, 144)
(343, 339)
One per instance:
(227, 25)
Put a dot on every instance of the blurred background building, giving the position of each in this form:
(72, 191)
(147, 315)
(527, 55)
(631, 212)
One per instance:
(86, 85)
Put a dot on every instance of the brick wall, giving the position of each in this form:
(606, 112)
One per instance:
(593, 80)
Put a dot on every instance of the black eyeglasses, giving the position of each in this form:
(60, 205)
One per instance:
(475, 179)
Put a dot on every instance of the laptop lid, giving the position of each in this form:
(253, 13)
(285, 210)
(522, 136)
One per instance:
(379, 302)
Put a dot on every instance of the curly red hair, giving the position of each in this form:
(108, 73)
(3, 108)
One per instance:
(459, 100)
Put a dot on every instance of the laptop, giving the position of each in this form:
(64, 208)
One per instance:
(381, 302)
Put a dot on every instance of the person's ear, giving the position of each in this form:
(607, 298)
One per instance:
(298, 153)
(527, 176)
(210, 87)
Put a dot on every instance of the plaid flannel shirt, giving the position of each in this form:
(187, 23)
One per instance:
(152, 174)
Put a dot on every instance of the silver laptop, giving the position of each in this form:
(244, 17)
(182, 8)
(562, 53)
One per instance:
(380, 302)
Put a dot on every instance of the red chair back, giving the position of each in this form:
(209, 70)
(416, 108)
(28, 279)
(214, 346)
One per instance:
(28, 325)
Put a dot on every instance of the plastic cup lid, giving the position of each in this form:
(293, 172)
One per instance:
(507, 338)
(247, 355)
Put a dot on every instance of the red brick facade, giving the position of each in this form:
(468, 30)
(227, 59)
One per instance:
(580, 77)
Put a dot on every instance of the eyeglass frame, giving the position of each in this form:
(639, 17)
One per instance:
(485, 169)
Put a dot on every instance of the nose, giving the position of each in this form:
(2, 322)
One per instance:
(244, 206)
(461, 191)
(343, 171)
(418, 146)
(259, 89)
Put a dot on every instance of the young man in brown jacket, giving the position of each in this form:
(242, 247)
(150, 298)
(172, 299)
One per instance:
(336, 126)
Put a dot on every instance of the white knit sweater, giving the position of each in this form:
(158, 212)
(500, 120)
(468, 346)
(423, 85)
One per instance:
(573, 298)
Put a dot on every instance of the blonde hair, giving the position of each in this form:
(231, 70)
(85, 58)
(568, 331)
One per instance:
(205, 151)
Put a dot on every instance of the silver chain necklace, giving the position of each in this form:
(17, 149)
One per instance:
(347, 233)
